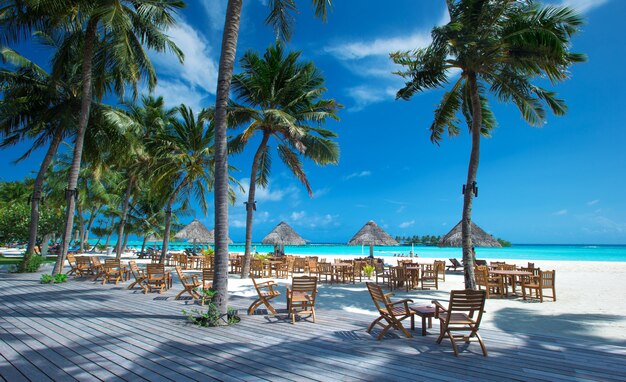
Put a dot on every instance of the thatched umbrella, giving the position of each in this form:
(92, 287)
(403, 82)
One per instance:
(480, 238)
(283, 235)
(196, 232)
(371, 234)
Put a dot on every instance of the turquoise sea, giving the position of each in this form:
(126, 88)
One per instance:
(522, 252)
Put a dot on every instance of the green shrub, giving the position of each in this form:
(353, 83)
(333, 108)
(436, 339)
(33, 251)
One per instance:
(60, 278)
(101, 247)
(208, 252)
(263, 257)
(31, 263)
(369, 270)
(46, 279)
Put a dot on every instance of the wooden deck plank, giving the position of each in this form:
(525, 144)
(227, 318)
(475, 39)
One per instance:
(132, 326)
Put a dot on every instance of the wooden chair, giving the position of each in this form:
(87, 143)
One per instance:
(429, 277)
(325, 270)
(72, 262)
(311, 265)
(158, 278)
(545, 280)
(83, 266)
(440, 268)
(455, 264)
(393, 313)
(112, 271)
(301, 296)
(463, 314)
(190, 283)
(358, 270)
(139, 275)
(265, 291)
(398, 278)
(97, 268)
(480, 262)
(299, 265)
(207, 281)
(382, 272)
(257, 268)
(491, 284)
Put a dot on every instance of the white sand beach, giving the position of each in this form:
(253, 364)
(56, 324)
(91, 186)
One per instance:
(590, 300)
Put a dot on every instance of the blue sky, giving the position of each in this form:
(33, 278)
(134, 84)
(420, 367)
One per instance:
(562, 183)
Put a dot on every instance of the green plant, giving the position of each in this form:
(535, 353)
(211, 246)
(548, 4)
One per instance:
(212, 316)
(31, 263)
(369, 270)
(263, 256)
(209, 293)
(46, 279)
(101, 247)
(208, 252)
(60, 278)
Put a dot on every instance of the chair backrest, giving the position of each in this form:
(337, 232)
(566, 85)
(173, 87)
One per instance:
(507, 267)
(496, 263)
(380, 300)
(530, 265)
(71, 259)
(481, 262)
(83, 261)
(440, 266)
(547, 279)
(312, 262)
(133, 266)
(482, 275)
(207, 275)
(95, 260)
(111, 263)
(307, 284)
(455, 262)
(322, 260)
(325, 268)
(154, 270)
(181, 275)
(470, 302)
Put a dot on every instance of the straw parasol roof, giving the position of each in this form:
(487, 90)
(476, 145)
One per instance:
(372, 234)
(480, 238)
(197, 232)
(283, 234)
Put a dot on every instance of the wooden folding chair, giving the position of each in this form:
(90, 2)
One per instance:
(112, 271)
(72, 262)
(190, 283)
(97, 268)
(265, 291)
(429, 277)
(207, 281)
(464, 314)
(544, 280)
(301, 296)
(158, 278)
(139, 275)
(393, 313)
(83, 266)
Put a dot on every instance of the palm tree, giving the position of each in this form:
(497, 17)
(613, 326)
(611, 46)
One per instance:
(499, 47)
(280, 18)
(281, 100)
(113, 33)
(184, 152)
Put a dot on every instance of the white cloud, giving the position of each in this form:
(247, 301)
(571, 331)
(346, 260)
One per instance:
(583, 6)
(406, 224)
(261, 194)
(400, 209)
(360, 174)
(593, 202)
(321, 192)
(199, 71)
(175, 92)
(364, 95)
(560, 213)
(216, 12)
(297, 216)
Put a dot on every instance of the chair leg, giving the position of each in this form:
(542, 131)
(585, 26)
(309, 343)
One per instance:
(482, 344)
(376, 321)
(454, 347)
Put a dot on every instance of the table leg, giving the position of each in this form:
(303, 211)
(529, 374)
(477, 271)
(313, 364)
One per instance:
(423, 325)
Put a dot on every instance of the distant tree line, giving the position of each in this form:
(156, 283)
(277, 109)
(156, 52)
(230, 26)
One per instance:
(416, 239)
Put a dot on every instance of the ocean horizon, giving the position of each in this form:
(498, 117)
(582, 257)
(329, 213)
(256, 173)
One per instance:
(562, 252)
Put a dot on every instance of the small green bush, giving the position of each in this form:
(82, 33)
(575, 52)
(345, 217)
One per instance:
(46, 279)
(32, 264)
(60, 278)
(369, 270)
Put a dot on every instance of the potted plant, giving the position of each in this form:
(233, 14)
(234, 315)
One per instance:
(369, 270)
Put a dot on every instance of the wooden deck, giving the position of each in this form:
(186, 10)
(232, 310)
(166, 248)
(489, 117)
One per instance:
(82, 330)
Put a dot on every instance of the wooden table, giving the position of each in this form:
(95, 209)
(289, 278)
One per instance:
(414, 274)
(425, 312)
(512, 274)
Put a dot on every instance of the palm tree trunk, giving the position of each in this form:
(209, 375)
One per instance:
(225, 74)
(168, 220)
(37, 187)
(120, 228)
(106, 244)
(81, 227)
(92, 218)
(143, 245)
(83, 120)
(250, 206)
(466, 227)
(125, 243)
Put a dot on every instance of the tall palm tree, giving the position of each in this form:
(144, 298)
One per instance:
(499, 46)
(280, 18)
(280, 98)
(114, 33)
(184, 152)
